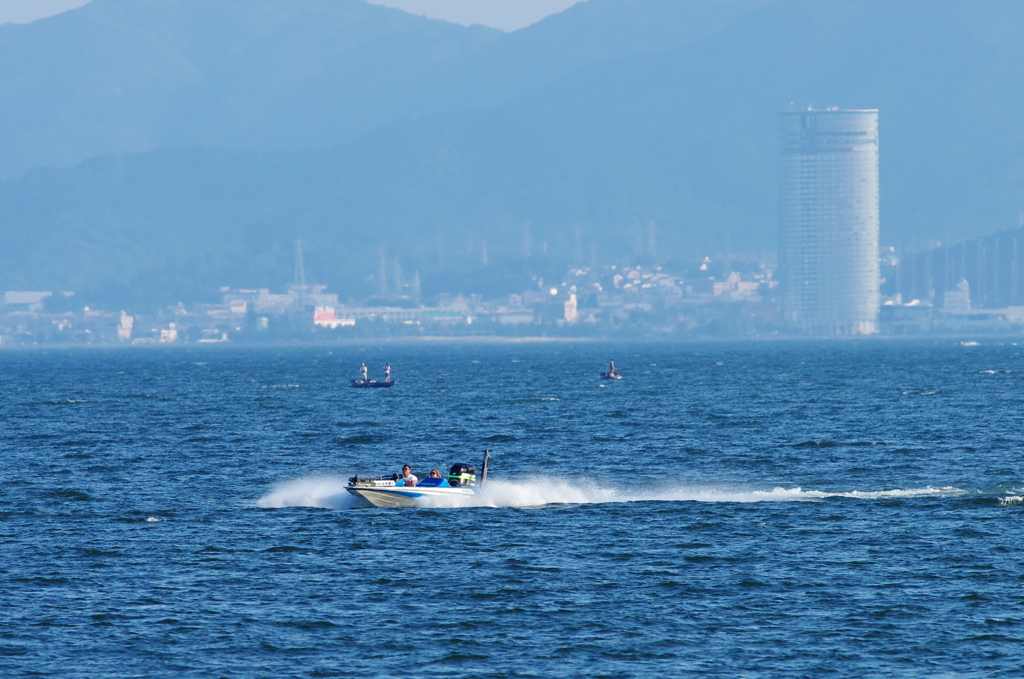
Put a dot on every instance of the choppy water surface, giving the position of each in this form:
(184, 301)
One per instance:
(760, 510)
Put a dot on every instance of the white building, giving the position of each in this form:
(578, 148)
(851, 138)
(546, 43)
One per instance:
(33, 301)
(828, 220)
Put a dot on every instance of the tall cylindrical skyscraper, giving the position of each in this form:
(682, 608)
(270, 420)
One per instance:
(828, 220)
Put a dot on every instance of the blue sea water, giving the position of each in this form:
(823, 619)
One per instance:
(771, 509)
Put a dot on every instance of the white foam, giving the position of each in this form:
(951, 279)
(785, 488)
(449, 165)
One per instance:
(927, 491)
(326, 492)
(545, 492)
(330, 493)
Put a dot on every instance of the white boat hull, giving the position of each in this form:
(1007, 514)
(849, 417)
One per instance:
(403, 496)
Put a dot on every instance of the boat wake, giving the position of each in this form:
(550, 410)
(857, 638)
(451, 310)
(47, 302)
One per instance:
(503, 494)
(330, 493)
(325, 492)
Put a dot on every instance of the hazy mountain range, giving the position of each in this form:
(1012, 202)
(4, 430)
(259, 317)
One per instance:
(194, 142)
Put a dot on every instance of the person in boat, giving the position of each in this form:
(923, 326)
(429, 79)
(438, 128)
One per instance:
(407, 478)
(436, 480)
(364, 373)
(611, 368)
(387, 372)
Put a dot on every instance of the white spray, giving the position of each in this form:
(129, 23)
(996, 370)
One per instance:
(326, 492)
(330, 493)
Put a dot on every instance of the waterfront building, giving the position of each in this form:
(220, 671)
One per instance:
(828, 220)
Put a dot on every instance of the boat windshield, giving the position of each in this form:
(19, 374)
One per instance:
(430, 481)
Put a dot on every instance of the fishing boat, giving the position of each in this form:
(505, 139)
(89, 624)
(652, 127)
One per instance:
(611, 374)
(371, 384)
(364, 382)
(460, 489)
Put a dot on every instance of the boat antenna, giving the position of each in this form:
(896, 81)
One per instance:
(483, 469)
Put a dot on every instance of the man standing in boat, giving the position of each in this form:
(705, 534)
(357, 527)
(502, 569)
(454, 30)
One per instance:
(364, 373)
(387, 372)
(611, 368)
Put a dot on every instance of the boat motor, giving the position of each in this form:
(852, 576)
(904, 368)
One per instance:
(462, 474)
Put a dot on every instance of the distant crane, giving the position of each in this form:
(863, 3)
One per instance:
(299, 284)
(300, 269)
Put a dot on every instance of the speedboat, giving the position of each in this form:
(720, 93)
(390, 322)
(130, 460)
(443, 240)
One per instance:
(460, 489)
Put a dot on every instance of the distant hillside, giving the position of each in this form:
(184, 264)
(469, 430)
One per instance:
(129, 75)
(585, 34)
(132, 75)
(947, 76)
(681, 138)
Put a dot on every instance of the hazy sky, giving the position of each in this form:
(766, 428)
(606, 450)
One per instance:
(505, 14)
(24, 11)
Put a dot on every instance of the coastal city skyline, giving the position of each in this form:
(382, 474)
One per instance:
(826, 280)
